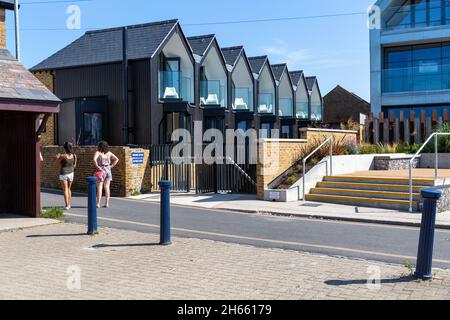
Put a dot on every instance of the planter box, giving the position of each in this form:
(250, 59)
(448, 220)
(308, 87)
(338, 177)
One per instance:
(428, 160)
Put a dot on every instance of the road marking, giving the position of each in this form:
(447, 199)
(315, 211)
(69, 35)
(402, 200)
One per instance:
(229, 236)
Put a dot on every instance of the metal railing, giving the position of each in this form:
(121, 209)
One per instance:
(329, 141)
(436, 136)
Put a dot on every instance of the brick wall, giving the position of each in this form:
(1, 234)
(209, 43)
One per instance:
(2, 29)
(278, 155)
(48, 137)
(128, 178)
(275, 157)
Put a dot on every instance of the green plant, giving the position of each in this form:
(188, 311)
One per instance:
(408, 265)
(52, 213)
(368, 149)
(136, 193)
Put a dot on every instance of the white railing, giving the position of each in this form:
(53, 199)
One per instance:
(329, 141)
(436, 165)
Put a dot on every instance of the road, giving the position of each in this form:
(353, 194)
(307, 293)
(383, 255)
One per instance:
(393, 244)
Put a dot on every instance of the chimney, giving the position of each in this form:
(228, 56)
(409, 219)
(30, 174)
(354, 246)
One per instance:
(4, 5)
(2, 29)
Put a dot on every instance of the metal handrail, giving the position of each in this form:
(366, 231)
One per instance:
(436, 165)
(330, 140)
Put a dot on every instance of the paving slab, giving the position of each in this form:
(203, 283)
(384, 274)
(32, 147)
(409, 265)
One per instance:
(61, 262)
(9, 222)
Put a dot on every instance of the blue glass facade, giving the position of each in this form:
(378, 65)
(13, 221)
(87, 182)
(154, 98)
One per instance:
(417, 68)
(417, 111)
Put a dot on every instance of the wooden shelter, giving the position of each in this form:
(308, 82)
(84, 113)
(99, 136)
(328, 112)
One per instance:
(25, 104)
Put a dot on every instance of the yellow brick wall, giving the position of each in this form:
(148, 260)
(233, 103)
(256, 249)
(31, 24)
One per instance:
(128, 178)
(276, 156)
(48, 137)
(2, 29)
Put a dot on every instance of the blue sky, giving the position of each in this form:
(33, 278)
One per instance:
(336, 49)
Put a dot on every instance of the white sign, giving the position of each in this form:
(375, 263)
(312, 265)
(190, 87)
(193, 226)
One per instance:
(274, 195)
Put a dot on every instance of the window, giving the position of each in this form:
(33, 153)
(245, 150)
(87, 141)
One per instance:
(243, 125)
(266, 130)
(286, 132)
(417, 68)
(92, 128)
(419, 14)
(175, 121)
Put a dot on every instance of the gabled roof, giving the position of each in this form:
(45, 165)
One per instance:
(310, 82)
(231, 54)
(296, 76)
(339, 89)
(257, 63)
(17, 83)
(200, 44)
(7, 4)
(278, 70)
(105, 46)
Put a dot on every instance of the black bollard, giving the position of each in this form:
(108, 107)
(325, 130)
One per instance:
(165, 238)
(426, 243)
(92, 205)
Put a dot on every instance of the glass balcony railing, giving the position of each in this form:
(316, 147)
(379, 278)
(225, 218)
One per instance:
(286, 107)
(242, 99)
(422, 78)
(212, 93)
(266, 103)
(173, 85)
(301, 110)
(316, 113)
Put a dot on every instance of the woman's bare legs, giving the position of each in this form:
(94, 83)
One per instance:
(69, 191)
(64, 186)
(99, 193)
(107, 193)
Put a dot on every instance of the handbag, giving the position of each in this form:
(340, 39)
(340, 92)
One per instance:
(99, 175)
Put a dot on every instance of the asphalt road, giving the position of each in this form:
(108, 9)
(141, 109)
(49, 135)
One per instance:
(385, 243)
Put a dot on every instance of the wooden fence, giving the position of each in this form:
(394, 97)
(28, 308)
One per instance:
(406, 128)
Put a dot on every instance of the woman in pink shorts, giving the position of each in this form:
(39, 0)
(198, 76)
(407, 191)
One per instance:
(104, 161)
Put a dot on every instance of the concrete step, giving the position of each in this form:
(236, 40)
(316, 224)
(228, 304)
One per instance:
(365, 193)
(369, 186)
(363, 201)
(378, 180)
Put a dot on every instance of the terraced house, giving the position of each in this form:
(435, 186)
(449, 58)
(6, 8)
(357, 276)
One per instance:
(137, 84)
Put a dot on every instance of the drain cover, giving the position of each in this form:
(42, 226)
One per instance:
(312, 205)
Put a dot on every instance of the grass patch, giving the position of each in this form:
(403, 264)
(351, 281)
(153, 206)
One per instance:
(52, 213)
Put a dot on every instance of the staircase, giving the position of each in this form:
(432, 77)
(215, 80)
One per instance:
(386, 193)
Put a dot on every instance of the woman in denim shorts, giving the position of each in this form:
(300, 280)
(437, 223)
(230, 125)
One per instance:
(67, 163)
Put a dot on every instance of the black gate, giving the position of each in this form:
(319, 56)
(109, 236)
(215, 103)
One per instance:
(225, 176)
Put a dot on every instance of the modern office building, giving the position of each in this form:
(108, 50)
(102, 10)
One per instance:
(410, 57)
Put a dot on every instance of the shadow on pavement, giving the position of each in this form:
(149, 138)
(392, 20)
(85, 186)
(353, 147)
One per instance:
(133, 245)
(56, 235)
(365, 281)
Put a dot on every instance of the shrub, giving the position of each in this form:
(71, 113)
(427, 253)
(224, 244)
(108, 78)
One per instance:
(52, 213)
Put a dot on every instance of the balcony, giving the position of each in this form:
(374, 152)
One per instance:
(212, 93)
(302, 111)
(316, 112)
(173, 85)
(427, 77)
(286, 107)
(266, 103)
(243, 99)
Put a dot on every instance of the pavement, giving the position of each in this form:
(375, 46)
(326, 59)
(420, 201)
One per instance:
(9, 222)
(59, 261)
(381, 242)
(249, 204)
